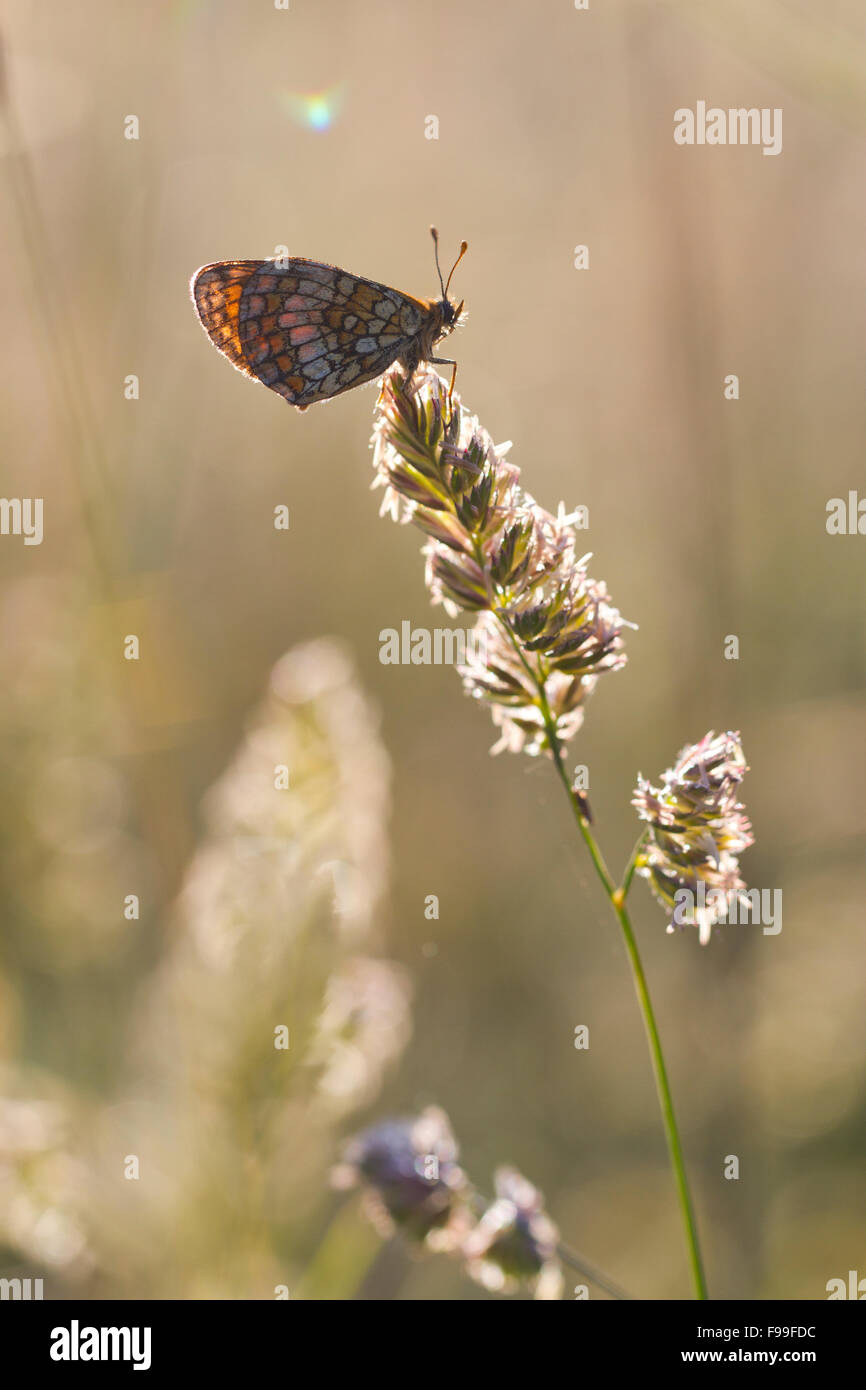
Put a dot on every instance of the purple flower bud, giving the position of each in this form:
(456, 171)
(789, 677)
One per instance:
(412, 1179)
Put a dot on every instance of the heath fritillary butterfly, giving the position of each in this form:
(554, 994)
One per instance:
(310, 331)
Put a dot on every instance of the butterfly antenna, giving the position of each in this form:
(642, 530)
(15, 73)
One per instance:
(435, 236)
(464, 247)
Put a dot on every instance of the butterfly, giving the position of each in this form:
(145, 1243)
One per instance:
(310, 331)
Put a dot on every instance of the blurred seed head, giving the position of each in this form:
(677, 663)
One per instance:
(411, 1179)
(320, 840)
(412, 1183)
(41, 1185)
(515, 1241)
(285, 881)
(266, 1018)
(364, 1026)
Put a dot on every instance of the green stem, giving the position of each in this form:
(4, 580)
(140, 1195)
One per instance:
(346, 1252)
(632, 864)
(583, 1266)
(666, 1102)
(617, 899)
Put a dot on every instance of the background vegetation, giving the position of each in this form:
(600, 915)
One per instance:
(707, 518)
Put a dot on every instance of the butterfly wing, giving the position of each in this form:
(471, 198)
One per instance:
(216, 292)
(308, 331)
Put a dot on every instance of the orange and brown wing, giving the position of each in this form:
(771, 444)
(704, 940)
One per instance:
(216, 292)
(308, 331)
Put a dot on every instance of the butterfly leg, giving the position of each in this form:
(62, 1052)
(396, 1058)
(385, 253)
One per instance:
(446, 362)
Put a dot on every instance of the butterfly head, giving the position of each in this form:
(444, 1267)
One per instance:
(450, 311)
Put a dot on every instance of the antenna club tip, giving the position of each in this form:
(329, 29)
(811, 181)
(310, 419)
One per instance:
(434, 233)
(464, 247)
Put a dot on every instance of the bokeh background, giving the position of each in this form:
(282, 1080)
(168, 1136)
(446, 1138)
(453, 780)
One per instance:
(261, 128)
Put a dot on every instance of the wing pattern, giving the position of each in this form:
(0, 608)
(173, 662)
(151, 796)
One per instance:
(307, 330)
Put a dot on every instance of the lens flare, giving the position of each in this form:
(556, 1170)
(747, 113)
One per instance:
(314, 110)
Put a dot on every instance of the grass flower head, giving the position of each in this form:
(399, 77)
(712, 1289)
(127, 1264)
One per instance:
(697, 828)
(546, 629)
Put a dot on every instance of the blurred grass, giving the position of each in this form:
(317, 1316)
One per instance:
(706, 518)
